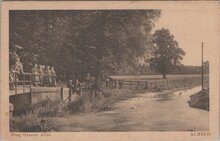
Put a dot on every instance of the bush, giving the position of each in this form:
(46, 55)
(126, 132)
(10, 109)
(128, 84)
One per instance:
(47, 108)
(33, 120)
(30, 123)
(86, 104)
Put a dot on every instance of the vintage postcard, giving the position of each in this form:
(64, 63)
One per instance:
(109, 70)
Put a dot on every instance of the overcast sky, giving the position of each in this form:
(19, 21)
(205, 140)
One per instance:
(190, 28)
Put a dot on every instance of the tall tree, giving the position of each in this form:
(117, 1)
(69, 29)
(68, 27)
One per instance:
(120, 37)
(167, 54)
(74, 41)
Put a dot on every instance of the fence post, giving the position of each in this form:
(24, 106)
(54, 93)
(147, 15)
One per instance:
(61, 93)
(115, 83)
(23, 82)
(120, 83)
(146, 86)
(30, 82)
(16, 84)
(70, 94)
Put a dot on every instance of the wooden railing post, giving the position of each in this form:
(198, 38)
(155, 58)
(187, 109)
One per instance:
(111, 82)
(30, 82)
(121, 83)
(146, 86)
(16, 84)
(70, 94)
(23, 82)
(115, 81)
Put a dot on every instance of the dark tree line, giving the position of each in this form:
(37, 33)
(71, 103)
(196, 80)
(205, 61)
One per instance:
(77, 42)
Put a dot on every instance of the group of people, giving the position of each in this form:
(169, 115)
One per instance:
(90, 81)
(44, 75)
(74, 87)
(90, 84)
(41, 75)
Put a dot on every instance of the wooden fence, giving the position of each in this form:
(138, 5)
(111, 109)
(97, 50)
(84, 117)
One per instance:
(159, 83)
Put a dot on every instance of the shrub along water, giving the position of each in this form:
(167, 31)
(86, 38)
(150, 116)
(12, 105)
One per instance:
(35, 120)
(30, 123)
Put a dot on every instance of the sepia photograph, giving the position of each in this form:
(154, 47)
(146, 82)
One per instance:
(110, 70)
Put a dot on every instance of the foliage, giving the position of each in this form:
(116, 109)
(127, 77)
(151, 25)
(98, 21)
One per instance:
(47, 108)
(182, 69)
(77, 42)
(30, 123)
(86, 104)
(166, 55)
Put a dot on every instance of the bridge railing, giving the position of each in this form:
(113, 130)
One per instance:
(27, 80)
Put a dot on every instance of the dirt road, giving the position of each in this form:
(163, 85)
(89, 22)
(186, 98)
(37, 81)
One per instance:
(152, 111)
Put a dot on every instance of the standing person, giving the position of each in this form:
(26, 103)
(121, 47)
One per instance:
(13, 56)
(44, 77)
(70, 85)
(77, 87)
(35, 75)
(49, 76)
(11, 79)
(41, 74)
(53, 77)
(88, 80)
(93, 86)
(17, 68)
(107, 82)
(47, 72)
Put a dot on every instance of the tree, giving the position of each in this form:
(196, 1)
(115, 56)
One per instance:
(76, 41)
(120, 37)
(166, 55)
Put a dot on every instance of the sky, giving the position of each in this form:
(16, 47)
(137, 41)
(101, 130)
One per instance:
(190, 28)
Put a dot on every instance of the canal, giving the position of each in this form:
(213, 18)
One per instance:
(152, 111)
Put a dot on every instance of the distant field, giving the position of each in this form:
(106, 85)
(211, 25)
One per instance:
(155, 77)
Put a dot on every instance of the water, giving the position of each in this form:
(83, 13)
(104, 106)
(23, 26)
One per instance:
(166, 111)
(156, 111)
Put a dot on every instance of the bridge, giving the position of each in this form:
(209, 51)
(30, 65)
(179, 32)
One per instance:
(25, 83)
(26, 93)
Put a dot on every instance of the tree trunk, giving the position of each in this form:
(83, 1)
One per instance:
(98, 74)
